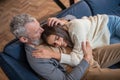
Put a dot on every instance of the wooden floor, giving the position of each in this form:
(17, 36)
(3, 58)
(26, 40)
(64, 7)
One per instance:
(40, 9)
(2, 75)
(36, 8)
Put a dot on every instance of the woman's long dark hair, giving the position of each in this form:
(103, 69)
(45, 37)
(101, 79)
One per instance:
(56, 30)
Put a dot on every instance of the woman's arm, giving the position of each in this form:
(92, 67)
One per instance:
(78, 33)
(53, 21)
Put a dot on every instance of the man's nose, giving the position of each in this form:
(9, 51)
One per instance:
(41, 29)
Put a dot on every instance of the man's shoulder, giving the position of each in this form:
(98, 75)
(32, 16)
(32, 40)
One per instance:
(29, 48)
(45, 46)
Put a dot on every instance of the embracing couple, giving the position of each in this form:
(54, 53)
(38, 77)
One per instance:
(70, 50)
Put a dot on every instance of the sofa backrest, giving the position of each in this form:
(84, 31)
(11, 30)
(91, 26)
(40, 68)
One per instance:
(111, 7)
(15, 49)
(79, 10)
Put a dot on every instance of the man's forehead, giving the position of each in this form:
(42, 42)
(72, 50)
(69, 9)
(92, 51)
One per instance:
(31, 27)
(31, 24)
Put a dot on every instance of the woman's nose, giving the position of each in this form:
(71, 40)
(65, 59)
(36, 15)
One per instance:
(57, 43)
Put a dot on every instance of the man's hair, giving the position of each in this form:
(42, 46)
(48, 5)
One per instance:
(17, 25)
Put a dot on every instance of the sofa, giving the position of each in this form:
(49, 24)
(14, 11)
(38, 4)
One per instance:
(13, 59)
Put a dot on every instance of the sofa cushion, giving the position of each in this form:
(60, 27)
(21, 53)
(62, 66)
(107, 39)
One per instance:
(15, 49)
(114, 39)
(111, 7)
(79, 10)
(14, 70)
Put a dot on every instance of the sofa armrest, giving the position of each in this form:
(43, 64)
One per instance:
(14, 70)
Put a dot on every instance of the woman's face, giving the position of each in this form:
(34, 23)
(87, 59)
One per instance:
(56, 41)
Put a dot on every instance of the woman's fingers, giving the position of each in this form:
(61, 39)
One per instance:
(51, 21)
(57, 23)
(54, 21)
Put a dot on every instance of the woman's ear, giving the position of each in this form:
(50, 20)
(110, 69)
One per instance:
(23, 39)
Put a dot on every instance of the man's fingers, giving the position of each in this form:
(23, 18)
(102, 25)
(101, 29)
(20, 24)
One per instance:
(88, 44)
(38, 50)
(36, 55)
(83, 46)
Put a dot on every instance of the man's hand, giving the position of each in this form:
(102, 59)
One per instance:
(55, 21)
(44, 53)
(87, 50)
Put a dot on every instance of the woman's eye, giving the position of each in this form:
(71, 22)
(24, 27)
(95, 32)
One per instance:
(57, 38)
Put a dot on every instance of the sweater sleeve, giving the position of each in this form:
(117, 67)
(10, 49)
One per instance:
(78, 33)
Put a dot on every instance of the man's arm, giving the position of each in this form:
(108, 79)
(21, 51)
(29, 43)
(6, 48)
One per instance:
(50, 69)
(78, 33)
(45, 53)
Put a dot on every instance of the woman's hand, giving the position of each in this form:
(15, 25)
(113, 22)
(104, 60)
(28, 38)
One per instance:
(55, 21)
(87, 50)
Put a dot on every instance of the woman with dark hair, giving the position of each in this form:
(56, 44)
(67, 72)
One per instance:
(59, 32)
(96, 29)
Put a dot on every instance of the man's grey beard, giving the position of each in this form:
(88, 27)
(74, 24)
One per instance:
(36, 42)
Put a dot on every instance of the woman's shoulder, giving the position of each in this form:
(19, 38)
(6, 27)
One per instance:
(77, 25)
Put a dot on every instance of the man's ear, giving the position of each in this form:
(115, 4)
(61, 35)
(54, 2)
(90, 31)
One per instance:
(23, 39)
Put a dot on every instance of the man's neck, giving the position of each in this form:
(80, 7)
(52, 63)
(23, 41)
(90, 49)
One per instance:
(33, 45)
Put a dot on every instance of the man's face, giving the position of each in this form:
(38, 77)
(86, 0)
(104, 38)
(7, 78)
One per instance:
(34, 31)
